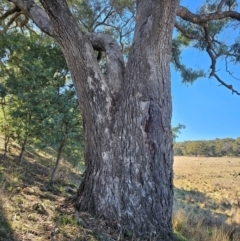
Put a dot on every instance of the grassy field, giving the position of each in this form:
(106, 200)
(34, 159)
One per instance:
(206, 206)
(207, 198)
(31, 210)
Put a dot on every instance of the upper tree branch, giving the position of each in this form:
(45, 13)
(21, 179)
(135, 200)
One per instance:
(36, 13)
(11, 21)
(185, 32)
(228, 71)
(115, 63)
(202, 20)
(185, 14)
(210, 50)
(10, 11)
(220, 5)
(213, 57)
(110, 12)
(230, 87)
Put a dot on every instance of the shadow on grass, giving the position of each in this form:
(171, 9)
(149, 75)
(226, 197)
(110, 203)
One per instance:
(198, 208)
(37, 171)
(25, 193)
(6, 232)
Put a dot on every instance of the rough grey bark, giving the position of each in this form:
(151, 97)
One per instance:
(126, 115)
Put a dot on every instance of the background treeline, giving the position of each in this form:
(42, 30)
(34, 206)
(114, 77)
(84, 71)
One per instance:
(214, 148)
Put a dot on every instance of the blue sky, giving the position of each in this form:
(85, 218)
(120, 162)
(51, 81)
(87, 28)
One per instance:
(207, 110)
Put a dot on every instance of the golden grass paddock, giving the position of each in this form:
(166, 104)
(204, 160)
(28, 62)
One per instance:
(207, 198)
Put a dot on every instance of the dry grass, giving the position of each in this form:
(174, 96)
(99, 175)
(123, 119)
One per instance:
(207, 198)
(32, 211)
(206, 207)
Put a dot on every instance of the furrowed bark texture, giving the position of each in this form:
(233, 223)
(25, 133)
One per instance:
(127, 116)
(129, 181)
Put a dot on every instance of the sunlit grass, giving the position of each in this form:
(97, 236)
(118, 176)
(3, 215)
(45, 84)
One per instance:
(207, 198)
(206, 201)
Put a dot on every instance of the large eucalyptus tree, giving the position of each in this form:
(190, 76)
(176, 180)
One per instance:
(126, 108)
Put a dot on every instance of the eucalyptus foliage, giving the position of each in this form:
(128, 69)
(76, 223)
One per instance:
(40, 102)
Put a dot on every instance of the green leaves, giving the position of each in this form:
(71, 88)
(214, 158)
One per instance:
(217, 147)
(120, 5)
(42, 105)
(188, 75)
(177, 130)
(235, 51)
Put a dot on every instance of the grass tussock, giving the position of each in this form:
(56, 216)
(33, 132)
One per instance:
(195, 229)
(207, 198)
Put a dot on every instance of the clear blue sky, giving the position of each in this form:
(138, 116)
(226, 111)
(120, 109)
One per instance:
(207, 110)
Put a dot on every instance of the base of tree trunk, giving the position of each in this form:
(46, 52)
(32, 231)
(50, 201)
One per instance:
(106, 230)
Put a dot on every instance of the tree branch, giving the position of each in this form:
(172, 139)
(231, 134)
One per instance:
(10, 11)
(115, 63)
(220, 5)
(202, 20)
(11, 21)
(210, 50)
(185, 33)
(213, 58)
(110, 12)
(230, 87)
(185, 14)
(228, 71)
(36, 13)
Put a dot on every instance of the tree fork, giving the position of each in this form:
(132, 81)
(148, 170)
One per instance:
(127, 118)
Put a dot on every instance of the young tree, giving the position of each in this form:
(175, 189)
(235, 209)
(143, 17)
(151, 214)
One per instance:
(41, 107)
(126, 110)
(29, 77)
(63, 126)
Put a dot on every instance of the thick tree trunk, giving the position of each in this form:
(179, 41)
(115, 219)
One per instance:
(127, 115)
